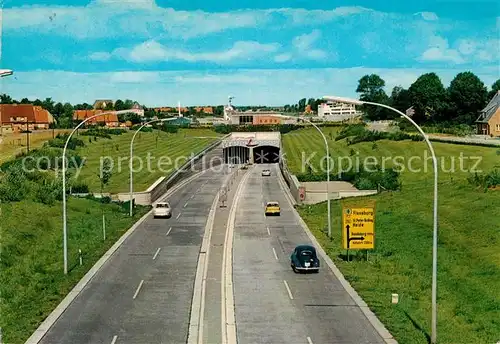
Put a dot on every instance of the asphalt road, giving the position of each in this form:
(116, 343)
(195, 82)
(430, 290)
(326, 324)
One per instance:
(143, 293)
(273, 304)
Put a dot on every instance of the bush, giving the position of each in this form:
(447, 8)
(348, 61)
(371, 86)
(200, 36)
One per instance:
(357, 133)
(14, 186)
(48, 192)
(485, 181)
(60, 140)
(80, 188)
(102, 132)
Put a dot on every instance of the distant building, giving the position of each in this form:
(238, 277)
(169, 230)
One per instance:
(17, 117)
(109, 120)
(334, 111)
(255, 117)
(101, 104)
(488, 122)
(138, 109)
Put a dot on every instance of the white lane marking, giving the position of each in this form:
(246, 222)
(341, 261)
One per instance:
(114, 339)
(288, 290)
(275, 255)
(268, 232)
(169, 230)
(178, 215)
(309, 340)
(156, 254)
(138, 289)
(185, 204)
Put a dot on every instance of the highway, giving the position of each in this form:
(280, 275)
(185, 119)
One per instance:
(273, 304)
(143, 292)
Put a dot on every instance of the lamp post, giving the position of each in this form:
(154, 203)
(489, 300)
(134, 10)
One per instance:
(65, 226)
(5, 72)
(131, 155)
(327, 167)
(435, 210)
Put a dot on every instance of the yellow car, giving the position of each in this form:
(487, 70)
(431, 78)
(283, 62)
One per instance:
(272, 208)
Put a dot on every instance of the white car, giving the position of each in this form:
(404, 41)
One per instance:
(162, 209)
(266, 173)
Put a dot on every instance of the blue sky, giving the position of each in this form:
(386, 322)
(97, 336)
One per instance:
(262, 52)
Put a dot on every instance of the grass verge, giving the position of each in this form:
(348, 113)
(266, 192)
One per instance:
(469, 235)
(13, 144)
(32, 280)
(167, 151)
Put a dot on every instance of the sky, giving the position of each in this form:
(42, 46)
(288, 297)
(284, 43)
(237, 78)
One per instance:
(271, 52)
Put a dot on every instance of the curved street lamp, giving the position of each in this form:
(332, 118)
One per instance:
(6, 72)
(435, 215)
(132, 152)
(327, 166)
(65, 225)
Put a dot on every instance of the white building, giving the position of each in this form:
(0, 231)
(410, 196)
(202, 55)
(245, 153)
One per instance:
(334, 111)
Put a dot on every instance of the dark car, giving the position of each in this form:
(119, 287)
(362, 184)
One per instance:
(304, 258)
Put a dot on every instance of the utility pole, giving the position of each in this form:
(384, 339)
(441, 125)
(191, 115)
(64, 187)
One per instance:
(27, 135)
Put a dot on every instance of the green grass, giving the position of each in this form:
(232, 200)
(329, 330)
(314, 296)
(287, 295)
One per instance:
(158, 144)
(32, 281)
(468, 254)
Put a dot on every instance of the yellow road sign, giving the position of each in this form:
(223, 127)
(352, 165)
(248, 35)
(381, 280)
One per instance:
(358, 228)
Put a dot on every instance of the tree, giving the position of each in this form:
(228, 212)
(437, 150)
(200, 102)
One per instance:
(400, 98)
(105, 174)
(68, 110)
(119, 105)
(58, 109)
(302, 105)
(468, 96)
(128, 104)
(5, 99)
(25, 101)
(48, 104)
(371, 89)
(494, 89)
(428, 96)
(37, 102)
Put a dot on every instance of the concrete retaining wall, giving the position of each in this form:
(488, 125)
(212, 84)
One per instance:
(291, 180)
(314, 194)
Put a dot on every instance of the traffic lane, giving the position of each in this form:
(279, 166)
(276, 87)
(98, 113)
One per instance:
(264, 311)
(328, 309)
(99, 310)
(161, 310)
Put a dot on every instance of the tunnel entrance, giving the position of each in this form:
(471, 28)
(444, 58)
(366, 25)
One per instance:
(266, 155)
(236, 155)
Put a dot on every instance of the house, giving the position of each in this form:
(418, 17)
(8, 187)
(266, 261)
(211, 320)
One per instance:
(488, 122)
(109, 120)
(138, 109)
(18, 117)
(102, 104)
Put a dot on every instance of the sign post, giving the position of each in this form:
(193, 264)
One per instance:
(358, 228)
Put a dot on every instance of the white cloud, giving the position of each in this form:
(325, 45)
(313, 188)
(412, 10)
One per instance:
(305, 41)
(272, 87)
(100, 56)
(439, 50)
(429, 16)
(465, 51)
(153, 51)
(143, 18)
(283, 57)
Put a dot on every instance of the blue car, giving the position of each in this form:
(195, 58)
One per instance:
(304, 258)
